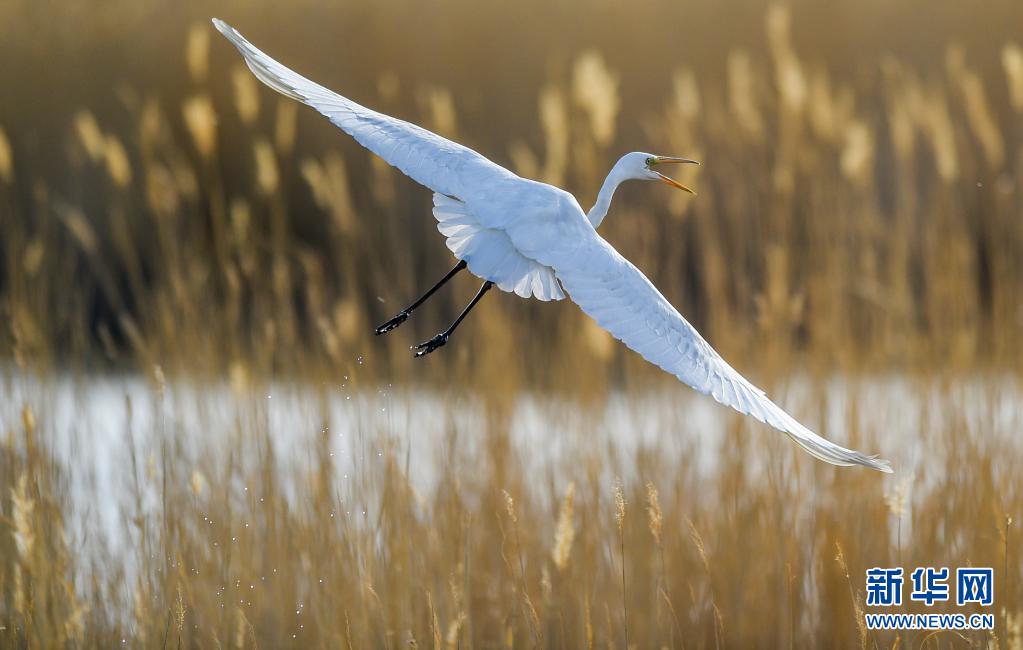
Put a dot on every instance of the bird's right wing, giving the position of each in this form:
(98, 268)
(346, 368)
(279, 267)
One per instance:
(443, 166)
(613, 292)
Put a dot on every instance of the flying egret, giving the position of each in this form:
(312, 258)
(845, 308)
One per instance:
(533, 239)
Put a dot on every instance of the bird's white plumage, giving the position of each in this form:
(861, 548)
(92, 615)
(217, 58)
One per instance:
(454, 172)
(613, 292)
(427, 158)
(527, 236)
(490, 254)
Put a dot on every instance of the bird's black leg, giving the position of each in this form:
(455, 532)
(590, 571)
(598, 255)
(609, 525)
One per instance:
(404, 313)
(426, 348)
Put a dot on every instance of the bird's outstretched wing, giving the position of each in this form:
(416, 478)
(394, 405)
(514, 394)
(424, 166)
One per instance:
(613, 292)
(444, 166)
(465, 183)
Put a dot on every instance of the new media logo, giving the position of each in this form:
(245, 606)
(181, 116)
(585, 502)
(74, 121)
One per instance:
(973, 586)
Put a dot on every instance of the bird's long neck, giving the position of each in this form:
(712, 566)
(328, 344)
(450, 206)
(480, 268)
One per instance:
(607, 190)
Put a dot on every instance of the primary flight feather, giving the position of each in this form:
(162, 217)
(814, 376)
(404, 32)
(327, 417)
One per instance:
(534, 240)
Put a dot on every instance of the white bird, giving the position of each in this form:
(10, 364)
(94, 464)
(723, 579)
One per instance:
(533, 239)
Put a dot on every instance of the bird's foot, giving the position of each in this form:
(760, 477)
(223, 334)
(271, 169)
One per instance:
(426, 348)
(393, 323)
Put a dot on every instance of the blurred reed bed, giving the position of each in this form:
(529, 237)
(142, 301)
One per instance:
(859, 209)
(222, 537)
(864, 217)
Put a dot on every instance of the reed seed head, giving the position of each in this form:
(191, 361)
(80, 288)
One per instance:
(654, 511)
(620, 504)
(564, 534)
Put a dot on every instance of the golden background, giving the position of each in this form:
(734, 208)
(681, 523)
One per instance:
(858, 232)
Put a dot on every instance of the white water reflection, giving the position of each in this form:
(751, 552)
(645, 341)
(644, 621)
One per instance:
(92, 427)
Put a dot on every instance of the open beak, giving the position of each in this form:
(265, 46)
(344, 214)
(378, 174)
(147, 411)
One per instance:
(671, 181)
(674, 183)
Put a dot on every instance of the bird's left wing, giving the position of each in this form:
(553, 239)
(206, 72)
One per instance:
(613, 292)
(444, 166)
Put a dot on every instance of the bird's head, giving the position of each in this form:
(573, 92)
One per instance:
(646, 167)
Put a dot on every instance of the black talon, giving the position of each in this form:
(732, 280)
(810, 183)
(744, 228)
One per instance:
(427, 347)
(442, 338)
(393, 323)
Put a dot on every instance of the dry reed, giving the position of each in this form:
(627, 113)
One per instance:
(194, 230)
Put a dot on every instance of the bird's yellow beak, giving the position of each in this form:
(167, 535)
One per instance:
(658, 160)
(674, 183)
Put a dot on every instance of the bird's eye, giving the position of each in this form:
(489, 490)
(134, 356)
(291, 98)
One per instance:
(650, 162)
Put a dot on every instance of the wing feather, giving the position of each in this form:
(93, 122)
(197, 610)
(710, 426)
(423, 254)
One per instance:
(612, 291)
(460, 178)
(603, 283)
(438, 163)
